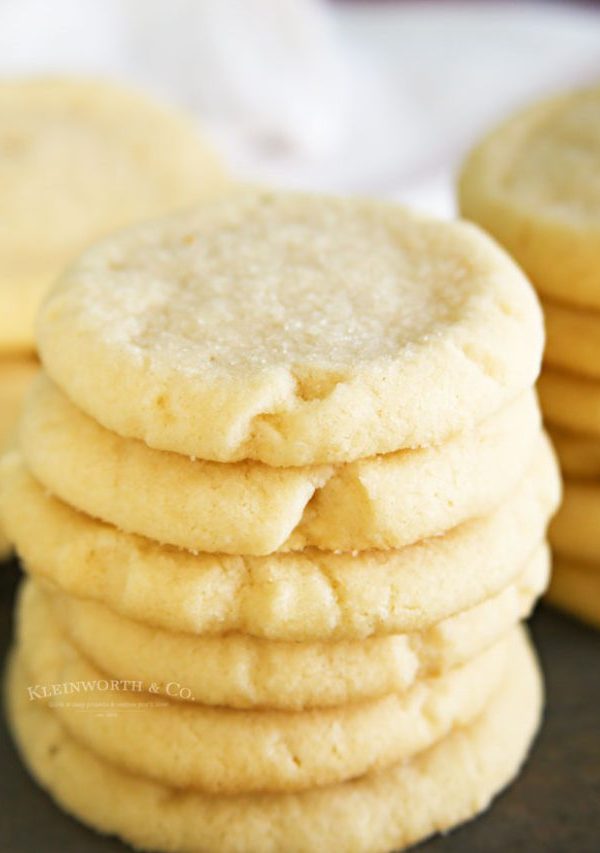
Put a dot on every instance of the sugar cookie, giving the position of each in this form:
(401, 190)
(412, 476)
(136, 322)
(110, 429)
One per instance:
(570, 401)
(575, 530)
(532, 183)
(226, 751)
(16, 375)
(237, 671)
(575, 588)
(387, 810)
(292, 329)
(572, 339)
(78, 159)
(308, 595)
(254, 509)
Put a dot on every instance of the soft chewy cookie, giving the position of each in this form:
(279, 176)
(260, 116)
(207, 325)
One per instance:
(16, 375)
(238, 671)
(575, 587)
(309, 595)
(579, 454)
(292, 329)
(251, 508)
(533, 184)
(570, 401)
(575, 530)
(78, 159)
(572, 339)
(382, 811)
(220, 750)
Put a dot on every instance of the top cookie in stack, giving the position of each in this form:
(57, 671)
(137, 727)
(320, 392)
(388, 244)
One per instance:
(534, 184)
(292, 331)
(286, 453)
(78, 159)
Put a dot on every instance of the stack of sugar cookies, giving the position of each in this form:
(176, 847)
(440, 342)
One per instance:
(535, 185)
(78, 159)
(282, 493)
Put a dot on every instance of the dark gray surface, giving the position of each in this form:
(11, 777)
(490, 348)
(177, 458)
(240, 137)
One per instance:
(553, 808)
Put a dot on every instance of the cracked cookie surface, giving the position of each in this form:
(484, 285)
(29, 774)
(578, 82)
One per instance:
(303, 595)
(250, 508)
(293, 330)
(238, 671)
(224, 751)
(390, 809)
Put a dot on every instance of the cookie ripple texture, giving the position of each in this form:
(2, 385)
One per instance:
(79, 159)
(533, 184)
(386, 810)
(572, 339)
(253, 751)
(575, 588)
(571, 402)
(238, 671)
(307, 595)
(250, 508)
(293, 330)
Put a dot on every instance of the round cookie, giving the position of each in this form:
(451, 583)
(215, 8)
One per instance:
(575, 530)
(575, 588)
(532, 184)
(292, 329)
(78, 159)
(304, 596)
(237, 671)
(578, 454)
(570, 402)
(16, 375)
(387, 810)
(572, 339)
(224, 751)
(254, 509)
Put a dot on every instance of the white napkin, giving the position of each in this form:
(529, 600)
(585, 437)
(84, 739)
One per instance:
(271, 71)
(380, 98)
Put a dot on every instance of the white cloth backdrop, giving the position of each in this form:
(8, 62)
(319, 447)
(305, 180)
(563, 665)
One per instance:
(377, 97)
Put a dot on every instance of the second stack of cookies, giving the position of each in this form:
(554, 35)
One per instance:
(533, 184)
(285, 470)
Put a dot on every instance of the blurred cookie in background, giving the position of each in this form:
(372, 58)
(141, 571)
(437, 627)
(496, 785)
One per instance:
(16, 373)
(534, 184)
(78, 159)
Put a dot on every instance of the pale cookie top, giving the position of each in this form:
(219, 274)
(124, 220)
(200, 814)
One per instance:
(292, 329)
(78, 159)
(534, 183)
